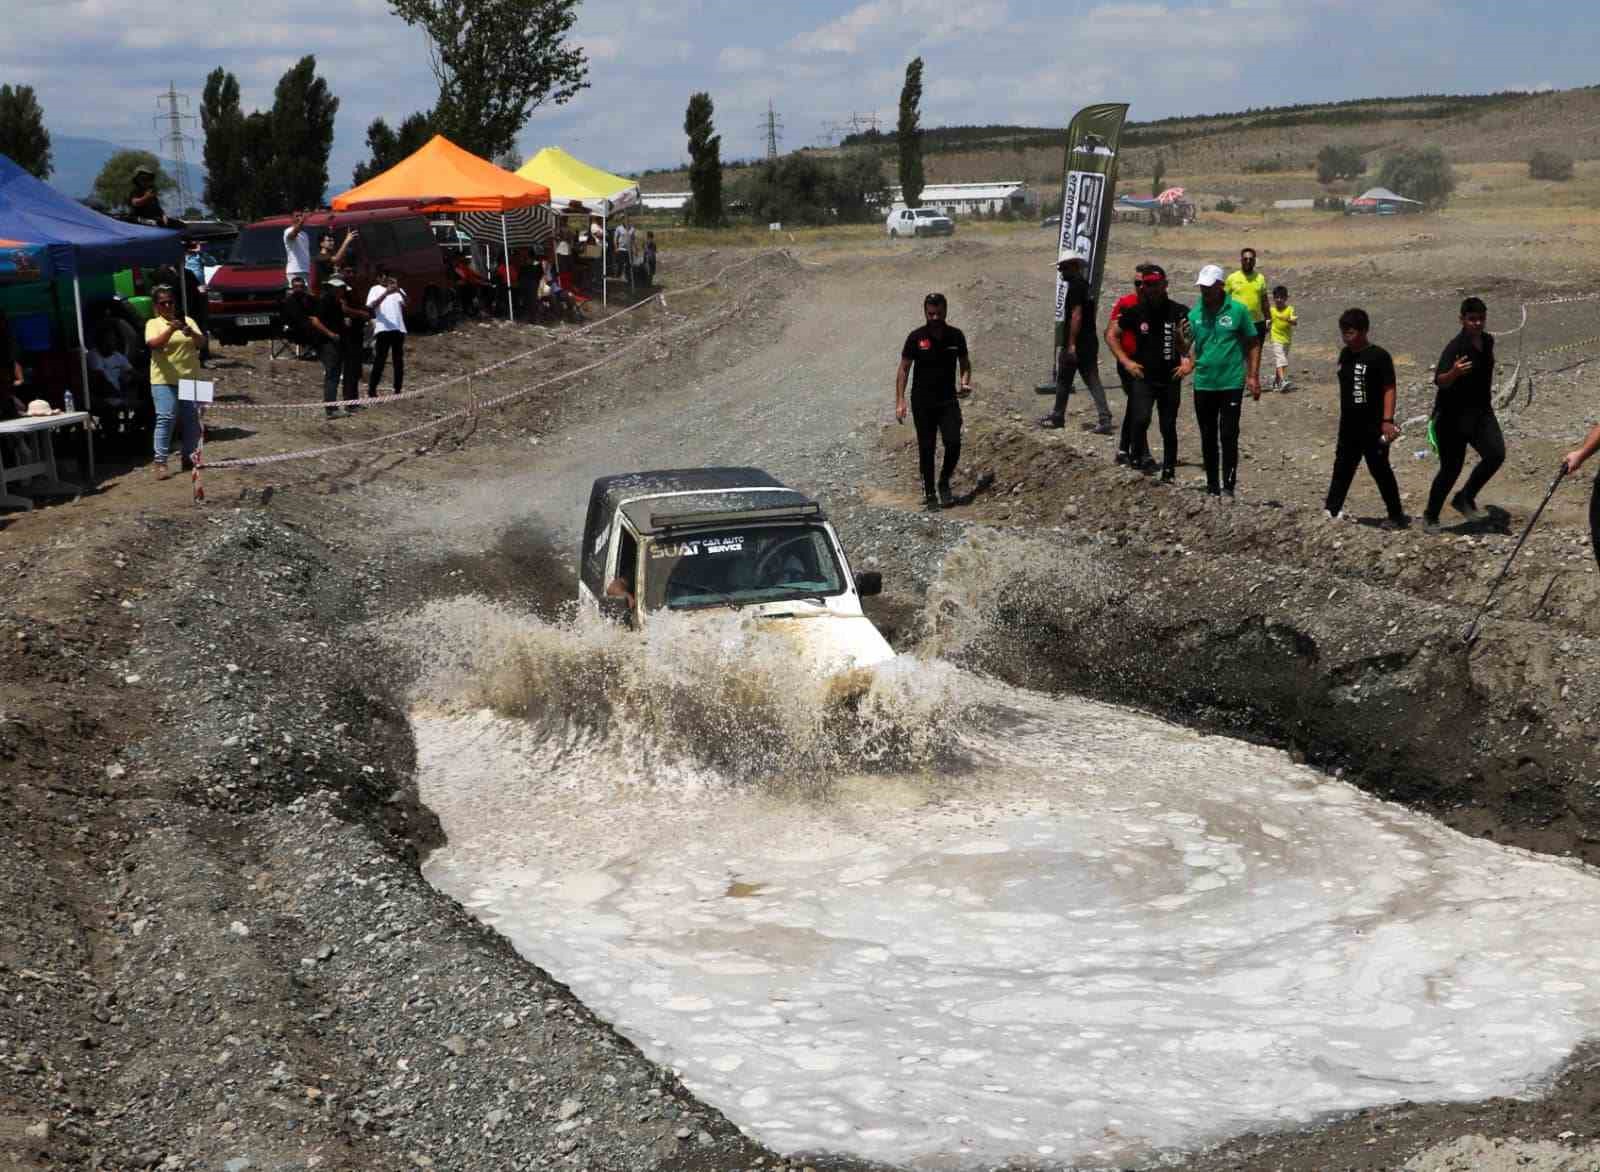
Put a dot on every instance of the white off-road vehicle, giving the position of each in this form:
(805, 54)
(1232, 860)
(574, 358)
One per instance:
(700, 539)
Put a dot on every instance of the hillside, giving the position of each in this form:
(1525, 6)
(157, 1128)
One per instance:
(1281, 140)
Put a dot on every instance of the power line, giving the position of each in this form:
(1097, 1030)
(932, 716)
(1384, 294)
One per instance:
(170, 141)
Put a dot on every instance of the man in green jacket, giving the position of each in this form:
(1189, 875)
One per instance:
(1225, 359)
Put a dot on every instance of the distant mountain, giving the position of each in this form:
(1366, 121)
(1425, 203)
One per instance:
(78, 160)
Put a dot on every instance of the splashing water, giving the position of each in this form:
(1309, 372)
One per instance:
(1051, 932)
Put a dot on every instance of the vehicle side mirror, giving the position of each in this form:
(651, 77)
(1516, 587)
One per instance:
(616, 609)
(868, 583)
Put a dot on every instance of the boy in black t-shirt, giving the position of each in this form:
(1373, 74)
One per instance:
(1366, 419)
(1463, 414)
(1160, 326)
(1078, 347)
(935, 350)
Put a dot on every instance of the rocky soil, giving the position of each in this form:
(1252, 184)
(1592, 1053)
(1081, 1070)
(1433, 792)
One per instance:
(216, 950)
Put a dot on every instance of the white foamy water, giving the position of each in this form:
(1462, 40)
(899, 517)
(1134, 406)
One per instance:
(1098, 937)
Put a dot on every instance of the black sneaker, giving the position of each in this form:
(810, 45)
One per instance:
(930, 501)
(1430, 525)
(1052, 422)
(946, 497)
(1468, 509)
(1227, 491)
(1099, 429)
(1395, 524)
(1122, 459)
(1168, 476)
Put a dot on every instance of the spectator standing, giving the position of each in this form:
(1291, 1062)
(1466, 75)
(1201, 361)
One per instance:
(1225, 356)
(331, 260)
(1077, 347)
(1131, 450)
(1284, 321)
(934, 351)
(327, 323)
(1366, 419)
(619, 249)
(144, 201)
(296, 249)
(650, 258)
(1463, 415)
(352, 336)
(386, 301)
(1161, 340)
(174, 342)
(1249, 288)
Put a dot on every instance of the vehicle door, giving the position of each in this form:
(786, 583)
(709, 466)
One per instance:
(417, 261)
(623, 562)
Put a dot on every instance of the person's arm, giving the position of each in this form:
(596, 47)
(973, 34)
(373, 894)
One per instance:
(1575, 458)
(1074, 324)
(315, 323)
(374, 301)
(900, 389)
(1446, 376)
(1114, 340)
(1388, 427)
(1252, 378)
(344, 246)
(965, 388)
(162, 336)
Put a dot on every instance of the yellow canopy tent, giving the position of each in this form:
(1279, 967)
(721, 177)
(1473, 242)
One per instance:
(576, 186)
(455, 180)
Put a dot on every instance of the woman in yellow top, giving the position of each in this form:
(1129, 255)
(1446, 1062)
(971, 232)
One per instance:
(174, 342)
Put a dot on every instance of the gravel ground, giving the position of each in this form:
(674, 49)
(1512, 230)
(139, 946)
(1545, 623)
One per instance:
(215, 947)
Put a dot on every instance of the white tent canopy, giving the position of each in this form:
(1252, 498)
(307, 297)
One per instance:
(1384, 195)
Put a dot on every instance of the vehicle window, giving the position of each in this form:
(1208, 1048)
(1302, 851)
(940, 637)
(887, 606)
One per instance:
(762, 563)
(264, 246)
(628, 561)
(411, 234)
(377, 240)
(928, 214)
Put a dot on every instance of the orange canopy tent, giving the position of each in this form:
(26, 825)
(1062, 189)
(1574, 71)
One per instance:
(452, 180)
(458, 179)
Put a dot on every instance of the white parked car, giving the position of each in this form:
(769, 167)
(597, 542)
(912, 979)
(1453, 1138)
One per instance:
(920, 222)
(715, 539)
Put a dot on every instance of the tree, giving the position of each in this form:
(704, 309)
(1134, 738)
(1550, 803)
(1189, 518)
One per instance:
(908, 133)
(1550, 165)
(859, 188)
(705, 163)
(496, 61)
(386, 147)
(792, 189)
(222, 123)
(115, 181)
(260, 193)
(1339, 162)
(1157, 174)
(509, 160)
(1420, 173)
(303, 110)
(23, 137)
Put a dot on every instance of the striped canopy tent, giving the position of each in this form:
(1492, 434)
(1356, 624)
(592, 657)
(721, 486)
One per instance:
(442, 177)
(1172, 195)
(531, 227)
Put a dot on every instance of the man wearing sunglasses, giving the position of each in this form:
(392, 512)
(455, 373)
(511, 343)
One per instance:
(174, 341)
(935, 351)
(1160, 329)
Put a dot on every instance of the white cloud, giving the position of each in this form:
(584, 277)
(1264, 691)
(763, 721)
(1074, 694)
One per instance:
(739, 59)
(906, 22)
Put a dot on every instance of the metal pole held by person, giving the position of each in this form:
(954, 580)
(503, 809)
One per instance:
(1471, 632)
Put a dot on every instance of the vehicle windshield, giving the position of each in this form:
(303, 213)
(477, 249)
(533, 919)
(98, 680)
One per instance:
(738, 566)
(929, 214)
(264, 246)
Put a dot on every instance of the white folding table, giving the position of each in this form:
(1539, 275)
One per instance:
(41, 461)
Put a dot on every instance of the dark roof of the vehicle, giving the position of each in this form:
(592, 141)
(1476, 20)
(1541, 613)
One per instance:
(323, 217)
(708, 490)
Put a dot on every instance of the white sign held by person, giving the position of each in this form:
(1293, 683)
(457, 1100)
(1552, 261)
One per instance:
(193, 390)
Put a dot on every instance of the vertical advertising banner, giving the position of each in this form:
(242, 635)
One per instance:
(1088, 187)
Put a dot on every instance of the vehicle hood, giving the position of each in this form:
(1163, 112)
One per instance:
(825, 640)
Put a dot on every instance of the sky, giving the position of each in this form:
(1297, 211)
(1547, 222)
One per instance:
(98, 66)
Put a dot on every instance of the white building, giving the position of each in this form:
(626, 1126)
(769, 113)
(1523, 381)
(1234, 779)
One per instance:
(966, 199)
(664, 201)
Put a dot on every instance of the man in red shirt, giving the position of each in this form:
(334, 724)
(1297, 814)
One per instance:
(1134, 450)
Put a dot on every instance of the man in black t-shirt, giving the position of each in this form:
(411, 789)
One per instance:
(1160, 327)
(1463, 414)
(935, 352)
(1078, 347)
(1366, 419)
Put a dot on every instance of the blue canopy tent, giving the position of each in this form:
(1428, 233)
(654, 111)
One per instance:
(76, 241)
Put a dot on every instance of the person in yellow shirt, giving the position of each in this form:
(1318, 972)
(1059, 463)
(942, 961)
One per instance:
(174, 341)
(1283, 323)
(1248, 287)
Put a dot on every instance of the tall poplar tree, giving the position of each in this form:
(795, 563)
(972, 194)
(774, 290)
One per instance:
(303, 111)
(705, 163)
(222, 123)
(23, 138)
(908, 133)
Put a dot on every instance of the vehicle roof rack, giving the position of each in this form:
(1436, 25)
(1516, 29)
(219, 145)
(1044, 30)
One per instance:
(810, 511)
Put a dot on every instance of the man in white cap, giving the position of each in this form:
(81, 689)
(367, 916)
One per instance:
(1078, 346)
(1225, 359)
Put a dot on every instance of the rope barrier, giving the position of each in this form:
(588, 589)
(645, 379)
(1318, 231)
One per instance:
(472, 409)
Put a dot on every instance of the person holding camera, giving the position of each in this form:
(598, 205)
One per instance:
(174, 342)
(386, 301)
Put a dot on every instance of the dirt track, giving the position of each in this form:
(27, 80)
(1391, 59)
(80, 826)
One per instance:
(228, 748)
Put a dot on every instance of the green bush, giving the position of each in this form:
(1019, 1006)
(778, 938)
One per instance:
(1550, 165)
(1226, 205)
(1340, 162)
(1420, 173)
